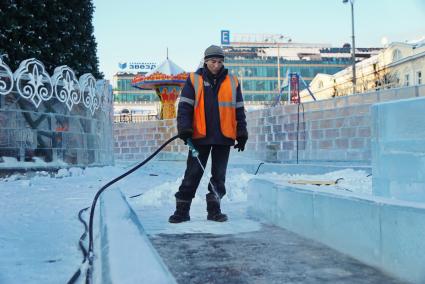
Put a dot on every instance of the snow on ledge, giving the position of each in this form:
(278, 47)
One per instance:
(126, 254)
(13, 163)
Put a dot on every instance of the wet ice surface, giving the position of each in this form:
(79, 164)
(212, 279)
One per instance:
(243, 250)
(268, 255)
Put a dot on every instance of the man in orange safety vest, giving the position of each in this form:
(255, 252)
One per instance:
(211, 113)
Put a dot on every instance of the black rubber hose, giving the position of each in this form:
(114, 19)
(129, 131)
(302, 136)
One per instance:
(298, 126)
(136, 195)
(82, 248)
(83, 236)
(75, 276)
(258, 168)
(96, 197)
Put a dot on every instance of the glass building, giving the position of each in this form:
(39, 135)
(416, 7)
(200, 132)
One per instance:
(256, 65)
(124, 92)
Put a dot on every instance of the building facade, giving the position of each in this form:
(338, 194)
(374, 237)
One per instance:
(130, 103)
(124, 92)
(400, 64)
(263, 62)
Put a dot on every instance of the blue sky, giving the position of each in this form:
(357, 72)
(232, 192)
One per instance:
(139, 30)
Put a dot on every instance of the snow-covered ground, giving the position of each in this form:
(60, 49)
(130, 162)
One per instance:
(39, 228)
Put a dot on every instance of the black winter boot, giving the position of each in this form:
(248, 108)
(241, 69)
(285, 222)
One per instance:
(213, 208)
(182, 211)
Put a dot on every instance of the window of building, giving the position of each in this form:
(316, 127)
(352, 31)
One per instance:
(247, 97)
(406, 80)
(320, 85)
(394, 79)
(396, 54)
(419, 77)
(271, 72)
(259, 97)
(260, 85)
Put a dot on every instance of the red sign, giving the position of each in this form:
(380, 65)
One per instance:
(294, 81)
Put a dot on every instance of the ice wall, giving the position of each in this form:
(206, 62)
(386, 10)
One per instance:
(126, 255)
(398, 149)
(53, 121)
(378, 231)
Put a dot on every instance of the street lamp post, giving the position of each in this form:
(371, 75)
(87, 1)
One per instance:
(276, 39)
(278, 68)
(353, 52)
(240, 73)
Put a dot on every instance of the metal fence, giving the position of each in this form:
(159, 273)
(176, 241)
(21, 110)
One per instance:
(134, 118)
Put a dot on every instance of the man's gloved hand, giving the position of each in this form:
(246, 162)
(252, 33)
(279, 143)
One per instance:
(241, 138)
(185, 134)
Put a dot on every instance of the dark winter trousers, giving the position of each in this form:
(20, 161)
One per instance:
(193, 173)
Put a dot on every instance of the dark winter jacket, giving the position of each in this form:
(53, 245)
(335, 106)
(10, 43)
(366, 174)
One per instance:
(212, 117)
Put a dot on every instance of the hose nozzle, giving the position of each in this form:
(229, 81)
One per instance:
(195, 152)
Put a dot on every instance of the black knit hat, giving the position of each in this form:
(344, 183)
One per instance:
(213, 51)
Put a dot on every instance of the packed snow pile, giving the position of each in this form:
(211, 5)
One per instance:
(236, 182)
(356, 181)
(71, 172)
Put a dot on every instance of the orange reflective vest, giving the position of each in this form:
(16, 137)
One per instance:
(226, 106)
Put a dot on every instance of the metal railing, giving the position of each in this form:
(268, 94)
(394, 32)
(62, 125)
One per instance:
(134, 118)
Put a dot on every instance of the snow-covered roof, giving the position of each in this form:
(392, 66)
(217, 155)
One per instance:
(415, 43)
(321, 77)
(167, 67)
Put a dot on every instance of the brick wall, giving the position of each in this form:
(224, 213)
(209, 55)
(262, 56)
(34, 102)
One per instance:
(335, 130)
(136, 141)
(331, 130)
